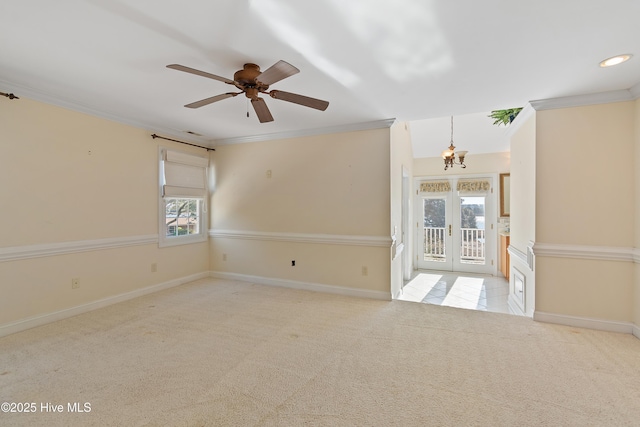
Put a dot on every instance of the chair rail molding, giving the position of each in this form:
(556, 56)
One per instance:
(330, 239)
(602, 253)
(14, 253)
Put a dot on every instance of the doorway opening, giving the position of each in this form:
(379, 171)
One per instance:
(455, 228)
(456, 246)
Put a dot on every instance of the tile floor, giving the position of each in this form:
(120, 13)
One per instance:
(461, 290)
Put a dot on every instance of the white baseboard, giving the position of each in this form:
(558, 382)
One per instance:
(32, 322)
(293, 284)
(588, 323)
(636, 331)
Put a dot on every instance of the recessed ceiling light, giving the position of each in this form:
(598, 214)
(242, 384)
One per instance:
(615, 60)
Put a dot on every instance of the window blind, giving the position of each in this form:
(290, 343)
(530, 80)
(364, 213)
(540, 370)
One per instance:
(185, 175)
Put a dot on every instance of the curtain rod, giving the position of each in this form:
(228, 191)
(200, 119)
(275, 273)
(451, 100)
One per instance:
(154, 136)
(9, 95)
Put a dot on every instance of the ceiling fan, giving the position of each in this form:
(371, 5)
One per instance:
(252, 82)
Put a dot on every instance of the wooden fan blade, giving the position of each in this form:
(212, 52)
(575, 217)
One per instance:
(306, 101)
(262, 111)
(199, 73)
(211, 100)
(278, 71)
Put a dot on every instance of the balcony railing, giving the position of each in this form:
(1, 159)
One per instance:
(434, 244)
(471, 246)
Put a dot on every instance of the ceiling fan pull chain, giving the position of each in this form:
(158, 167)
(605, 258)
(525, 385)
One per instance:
(247, 108)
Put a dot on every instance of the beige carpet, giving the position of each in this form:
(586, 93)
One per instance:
(230, 353)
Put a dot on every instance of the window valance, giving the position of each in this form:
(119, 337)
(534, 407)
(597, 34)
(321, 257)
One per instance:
(435, 187)
(474, 186)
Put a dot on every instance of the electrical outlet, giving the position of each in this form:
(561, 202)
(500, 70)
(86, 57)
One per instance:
(365, 270)
(269, 173)
(224, 257)
(75, 283)
(293, 263)
(154, 267)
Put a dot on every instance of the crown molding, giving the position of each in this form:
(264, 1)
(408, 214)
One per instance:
(522, 117)
(353, 127)
(635, 91)
(40, 96)
(589, 99)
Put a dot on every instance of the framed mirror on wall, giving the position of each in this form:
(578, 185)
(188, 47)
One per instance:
(505, 191)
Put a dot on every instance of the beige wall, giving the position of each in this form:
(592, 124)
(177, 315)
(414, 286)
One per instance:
(336, 185)
(584, 200)
(523, 185)
(329, 184)
(584, 288)
(401, 162)
(70, 177)
(78, 178)
(523, 202)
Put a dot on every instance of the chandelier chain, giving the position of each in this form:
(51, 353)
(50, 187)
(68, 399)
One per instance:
(451, 130)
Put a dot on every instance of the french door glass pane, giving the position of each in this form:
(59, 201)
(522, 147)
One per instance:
(435, 219)
(472, 231)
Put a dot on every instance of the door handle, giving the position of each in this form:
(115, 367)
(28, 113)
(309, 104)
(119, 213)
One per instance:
(449, 229)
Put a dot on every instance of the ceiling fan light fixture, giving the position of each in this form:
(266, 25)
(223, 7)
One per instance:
(615, 60)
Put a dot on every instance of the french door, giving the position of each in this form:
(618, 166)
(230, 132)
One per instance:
(455, 231)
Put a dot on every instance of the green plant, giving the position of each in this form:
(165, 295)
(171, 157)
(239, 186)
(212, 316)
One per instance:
(504, 117)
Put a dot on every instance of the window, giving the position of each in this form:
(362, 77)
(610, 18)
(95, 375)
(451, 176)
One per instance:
(183, 198)
(182, 217)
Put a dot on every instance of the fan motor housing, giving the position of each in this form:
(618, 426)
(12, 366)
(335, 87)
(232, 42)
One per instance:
(247, 76)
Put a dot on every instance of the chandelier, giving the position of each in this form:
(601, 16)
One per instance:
(450, 157)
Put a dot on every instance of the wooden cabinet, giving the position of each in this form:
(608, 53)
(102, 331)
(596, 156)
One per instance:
(504, 255)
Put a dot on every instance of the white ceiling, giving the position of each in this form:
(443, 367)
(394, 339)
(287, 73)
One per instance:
(372, 59)
(471, 132)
